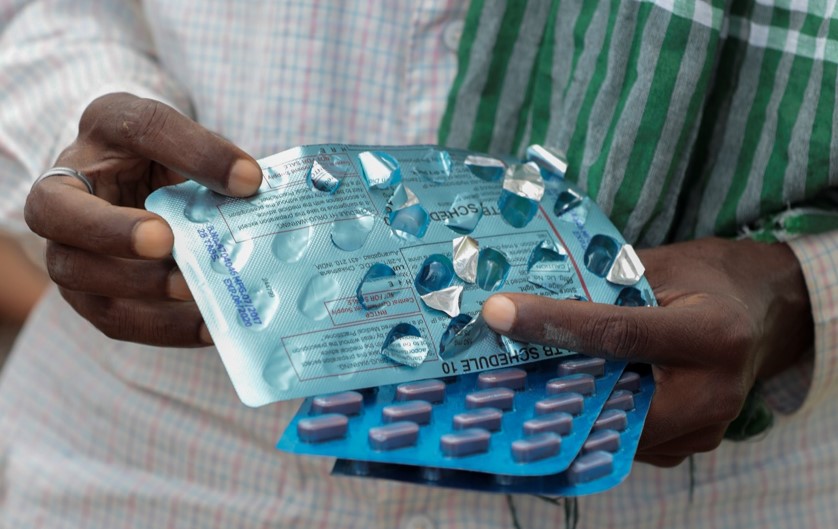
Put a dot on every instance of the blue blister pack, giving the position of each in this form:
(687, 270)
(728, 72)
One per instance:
(360, 266)
(603, 461)
(523, 421)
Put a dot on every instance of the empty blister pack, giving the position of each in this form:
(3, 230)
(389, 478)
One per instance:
(357, 266)
(523, 421)
(604, 460)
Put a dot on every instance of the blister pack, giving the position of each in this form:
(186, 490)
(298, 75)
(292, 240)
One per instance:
(361, 266)
(603, 460)
(496, 421)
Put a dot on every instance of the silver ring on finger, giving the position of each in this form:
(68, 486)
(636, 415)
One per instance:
(66, 171)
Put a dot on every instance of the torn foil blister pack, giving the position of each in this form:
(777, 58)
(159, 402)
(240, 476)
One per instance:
(357, 266)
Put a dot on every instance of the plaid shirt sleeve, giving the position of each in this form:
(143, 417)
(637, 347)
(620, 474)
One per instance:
(807, 385)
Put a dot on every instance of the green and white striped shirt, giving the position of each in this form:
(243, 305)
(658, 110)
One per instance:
(682, 118)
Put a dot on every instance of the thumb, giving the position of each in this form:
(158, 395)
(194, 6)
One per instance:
(654, 335)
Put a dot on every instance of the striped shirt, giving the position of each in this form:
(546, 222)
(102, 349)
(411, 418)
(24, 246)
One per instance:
(99, 433)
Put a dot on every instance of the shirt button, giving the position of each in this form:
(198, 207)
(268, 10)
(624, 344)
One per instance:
(419, 521)
(451, 35)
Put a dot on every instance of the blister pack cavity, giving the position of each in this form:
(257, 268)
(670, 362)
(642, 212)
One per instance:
(360, 266)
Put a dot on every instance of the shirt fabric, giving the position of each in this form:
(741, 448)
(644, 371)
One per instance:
(100, 433)
(642, 107)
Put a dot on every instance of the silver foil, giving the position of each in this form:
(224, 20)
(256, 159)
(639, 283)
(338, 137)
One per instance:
(524, 180)
(322, 179)
(627, 268)
(407, 350)
(553, 161)
(447, 300)
(466, 252)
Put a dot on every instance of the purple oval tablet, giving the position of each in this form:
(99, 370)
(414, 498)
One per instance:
(590, 466)
(500, 398)
(591, 366)
(465, 443)
(536, 447)
(629, 381)
(571, 403)
(429, 390)
(606, 440)
(418, 411)
(560, 423)
(620, 399)
(486, 418)
(512, 378)
(611, 420)
(395, 435)
(580, 383)
(347, 403)
(322, 428)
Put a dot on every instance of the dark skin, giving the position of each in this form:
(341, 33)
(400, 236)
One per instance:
(731, 311)
(110, 257)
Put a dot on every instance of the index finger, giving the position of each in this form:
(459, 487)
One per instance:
(657, 335)
(158, 132)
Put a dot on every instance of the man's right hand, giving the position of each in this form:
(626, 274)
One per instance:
(110, 257)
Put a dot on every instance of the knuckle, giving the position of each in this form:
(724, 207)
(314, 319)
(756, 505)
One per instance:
(101, 111)
(142, 121)
(741, 331)
(111, 318)
(621, 338)
(73, 269)
(61, 266)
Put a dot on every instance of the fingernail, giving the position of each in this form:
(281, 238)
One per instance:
(205, 335)
(177, 286)
(153, 239)
(245, 178)
(499, 313)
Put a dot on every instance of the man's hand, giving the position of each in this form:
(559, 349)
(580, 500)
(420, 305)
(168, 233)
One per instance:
(730, 312)
(109, 256)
